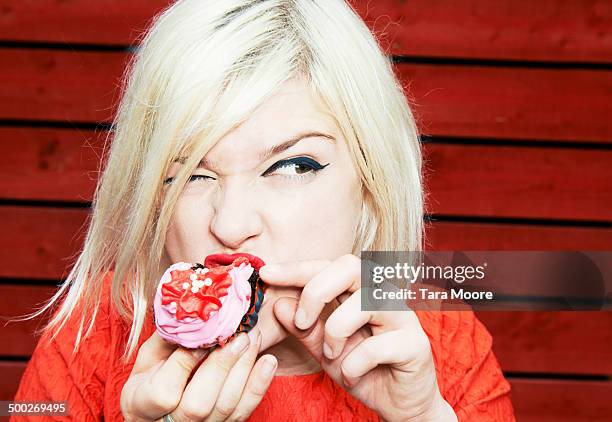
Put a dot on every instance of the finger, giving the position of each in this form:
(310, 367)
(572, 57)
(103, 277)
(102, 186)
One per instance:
(341, 324)
(342, 275)
(272, 332)
(202, 392)
(168, 378)
(399, 348)
(292, 274)
(236, 380)
(347, 318)
(256, 387)
(312, 338)
(154, 350)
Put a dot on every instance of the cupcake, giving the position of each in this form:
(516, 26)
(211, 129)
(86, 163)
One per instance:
(205, 305)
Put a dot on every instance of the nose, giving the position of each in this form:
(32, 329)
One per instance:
(235, 219)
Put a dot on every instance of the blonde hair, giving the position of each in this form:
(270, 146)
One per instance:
(201, 69)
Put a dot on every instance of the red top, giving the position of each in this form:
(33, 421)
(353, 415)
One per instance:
(469, 375)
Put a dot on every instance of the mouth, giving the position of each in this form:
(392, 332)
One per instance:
(215, 260)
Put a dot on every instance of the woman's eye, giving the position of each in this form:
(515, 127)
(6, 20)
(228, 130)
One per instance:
(195, 177)
(192, 178)
(294, 167)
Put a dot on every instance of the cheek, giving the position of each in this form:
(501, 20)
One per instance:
(336, 217)
(316, 223)
(335, 221)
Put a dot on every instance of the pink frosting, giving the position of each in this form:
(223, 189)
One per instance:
(193, 332)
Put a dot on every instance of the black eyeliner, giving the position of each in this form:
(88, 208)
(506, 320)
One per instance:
(309, 162)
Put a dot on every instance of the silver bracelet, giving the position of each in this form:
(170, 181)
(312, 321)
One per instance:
(168, 418)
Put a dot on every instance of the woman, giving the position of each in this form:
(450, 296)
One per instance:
(275, 128)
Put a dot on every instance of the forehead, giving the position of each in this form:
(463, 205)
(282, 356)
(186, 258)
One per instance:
(292, 109)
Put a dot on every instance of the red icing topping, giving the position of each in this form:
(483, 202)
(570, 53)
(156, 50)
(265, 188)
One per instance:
(204, 301)
(207, 298)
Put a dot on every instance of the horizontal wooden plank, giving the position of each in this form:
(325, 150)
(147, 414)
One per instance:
(463, 101)
(49, 164)
(547, 30)
(11, 375)
(63, 164)
(510, 102)
(551, 342)
(533, 400)
(114, 22)
(449, 236)
(75, 86)
(543, 30)
(528, 182)
(45, 241)
(561, 400)
(18, 337)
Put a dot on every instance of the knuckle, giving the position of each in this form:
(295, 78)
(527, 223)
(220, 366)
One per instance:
(257, 393)
(351, 259)
(145, 349)
(184, 360)
(185, 363)
(225, 359)
(238, 416)
(164, 404)
(353, 263)
(194, 412)
(224, 410)
(161, 394)
(422, 347)
(165, 399)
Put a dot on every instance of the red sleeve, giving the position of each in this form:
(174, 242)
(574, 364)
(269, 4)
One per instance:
(55, 374)
(469, 376)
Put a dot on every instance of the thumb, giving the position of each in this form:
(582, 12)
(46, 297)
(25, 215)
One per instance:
(311, 338)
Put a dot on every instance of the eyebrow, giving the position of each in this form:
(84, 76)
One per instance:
(273, 150)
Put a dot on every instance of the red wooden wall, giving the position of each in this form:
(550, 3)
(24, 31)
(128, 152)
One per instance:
(513, 99)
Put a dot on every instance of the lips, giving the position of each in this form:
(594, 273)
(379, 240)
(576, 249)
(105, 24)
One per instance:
(205, 305)
(215, 260)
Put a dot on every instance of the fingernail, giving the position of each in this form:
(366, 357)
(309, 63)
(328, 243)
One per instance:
(269, 366)
(327, 351)
(239, 344)
(301, 320)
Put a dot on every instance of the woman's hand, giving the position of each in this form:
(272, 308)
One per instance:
(227, 385)
(384, 359)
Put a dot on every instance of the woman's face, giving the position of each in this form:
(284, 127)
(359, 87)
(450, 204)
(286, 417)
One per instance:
(281, 186)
